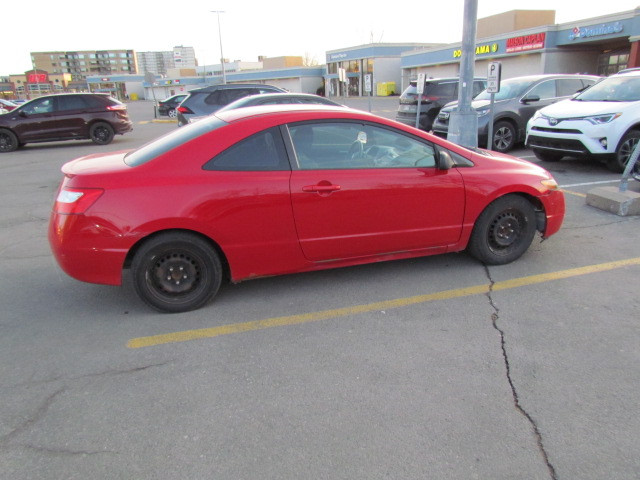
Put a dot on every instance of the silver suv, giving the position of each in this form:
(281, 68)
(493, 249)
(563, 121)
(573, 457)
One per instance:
(516, 102)
(207, 100)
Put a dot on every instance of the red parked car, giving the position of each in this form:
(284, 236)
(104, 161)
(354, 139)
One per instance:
(280, 189)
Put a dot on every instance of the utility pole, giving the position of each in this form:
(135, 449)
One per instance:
(224, 77)
(463, 122)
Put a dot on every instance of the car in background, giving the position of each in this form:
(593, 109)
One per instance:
(167, 107)
(67, 116)
(207, 100)
(268, 190)
(516, 102)
(437, 93)
(602, 122)
(279, 99)
(7, 105)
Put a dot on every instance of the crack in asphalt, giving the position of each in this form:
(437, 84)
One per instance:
(495, 316)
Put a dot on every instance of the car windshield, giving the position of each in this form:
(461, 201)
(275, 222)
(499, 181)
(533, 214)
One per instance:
(510, 88)
(153, 149)
(612, 89)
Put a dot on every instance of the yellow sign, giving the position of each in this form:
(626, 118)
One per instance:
(480, 50)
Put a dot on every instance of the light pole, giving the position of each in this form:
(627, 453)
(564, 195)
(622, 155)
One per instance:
(218, 12)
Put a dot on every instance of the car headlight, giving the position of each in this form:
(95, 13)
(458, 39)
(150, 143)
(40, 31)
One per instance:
(483, 112)
(600, 119)
(536, 116)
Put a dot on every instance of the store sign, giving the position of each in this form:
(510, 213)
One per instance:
(338, 56)
(37, 78)
(526, 43)
(596, 31)
(480, 50)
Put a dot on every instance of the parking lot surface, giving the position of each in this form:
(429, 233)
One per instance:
(438, 367)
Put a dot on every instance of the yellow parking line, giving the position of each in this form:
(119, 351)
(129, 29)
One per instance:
(577, 194)
(384, 305)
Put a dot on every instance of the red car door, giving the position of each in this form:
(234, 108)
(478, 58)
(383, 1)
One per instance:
(364, 190)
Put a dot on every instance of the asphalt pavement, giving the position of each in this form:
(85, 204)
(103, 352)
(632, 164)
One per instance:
(430, 368)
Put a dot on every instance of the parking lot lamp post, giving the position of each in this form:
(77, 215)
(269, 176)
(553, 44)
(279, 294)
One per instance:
(224, 77)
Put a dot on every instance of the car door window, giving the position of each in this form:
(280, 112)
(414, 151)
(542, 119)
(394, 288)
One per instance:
(263, 151)
(71, 102)
(544, 90)
(478, 87)
(40, 105)
(345, 145)
(569, 86)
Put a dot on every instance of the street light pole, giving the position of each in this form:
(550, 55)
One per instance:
(218, 12)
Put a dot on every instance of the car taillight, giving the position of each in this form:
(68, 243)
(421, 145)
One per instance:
(184, 110)
(427, 98)
(74, 201)
(112, 108)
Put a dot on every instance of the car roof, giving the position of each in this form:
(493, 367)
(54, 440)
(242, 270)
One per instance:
(213, 88)
(237, 114)
(535, 78)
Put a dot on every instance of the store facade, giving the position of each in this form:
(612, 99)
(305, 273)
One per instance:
(599, 46)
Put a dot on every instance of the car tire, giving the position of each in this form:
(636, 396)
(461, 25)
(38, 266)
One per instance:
(176, 272)
(503, 231)
(8, 141)
(618, 160)
(101, 133)
(173, 113)
(504, 136)
(547, 155)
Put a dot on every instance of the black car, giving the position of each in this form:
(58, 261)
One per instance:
(207, 100)
(280, 99)
(168, 106)
(69, 116)
(437, 92)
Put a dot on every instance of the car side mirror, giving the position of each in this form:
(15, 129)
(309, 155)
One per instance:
(532, 98)
(445, 161)
(22, 113)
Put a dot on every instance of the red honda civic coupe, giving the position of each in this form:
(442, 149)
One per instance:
(281, 189)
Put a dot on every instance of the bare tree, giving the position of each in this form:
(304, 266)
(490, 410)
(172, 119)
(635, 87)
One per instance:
(308, 60)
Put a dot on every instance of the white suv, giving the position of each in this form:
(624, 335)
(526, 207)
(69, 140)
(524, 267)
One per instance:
(602, 122)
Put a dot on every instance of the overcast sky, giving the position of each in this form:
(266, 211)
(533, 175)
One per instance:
(252, 27)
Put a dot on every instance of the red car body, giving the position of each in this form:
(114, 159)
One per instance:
(290, 220)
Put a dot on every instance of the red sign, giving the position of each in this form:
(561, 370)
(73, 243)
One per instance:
(37, 78)
(525, 43)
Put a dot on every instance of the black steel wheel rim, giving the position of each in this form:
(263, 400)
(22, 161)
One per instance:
(176, 274)
(505, 230)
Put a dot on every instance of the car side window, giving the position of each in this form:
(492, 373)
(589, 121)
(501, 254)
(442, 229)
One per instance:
(41, 105)
(263, 151)
(544, 90)
(569, 86)
(346, 145)
(71, 102)
(478, 87)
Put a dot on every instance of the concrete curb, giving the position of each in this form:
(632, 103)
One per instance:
(610, 199)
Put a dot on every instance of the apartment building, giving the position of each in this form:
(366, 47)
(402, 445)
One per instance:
(80, 64)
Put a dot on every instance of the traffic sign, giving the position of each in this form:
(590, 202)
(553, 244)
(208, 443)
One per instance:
(494, 71)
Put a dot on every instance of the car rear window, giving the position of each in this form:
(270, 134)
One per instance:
(172, 140)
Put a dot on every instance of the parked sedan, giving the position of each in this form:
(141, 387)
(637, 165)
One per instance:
(279, 99)
(280, 189)
(169, 105)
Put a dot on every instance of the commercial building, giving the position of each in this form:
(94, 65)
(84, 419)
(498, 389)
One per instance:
(528, 42)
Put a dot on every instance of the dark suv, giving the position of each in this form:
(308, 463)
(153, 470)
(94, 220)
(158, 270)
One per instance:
(207, 100)
(68, 116)
(437, 92)
(516, 102)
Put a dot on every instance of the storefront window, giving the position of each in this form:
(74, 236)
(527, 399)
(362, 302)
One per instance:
(612, 62)
(332, 68)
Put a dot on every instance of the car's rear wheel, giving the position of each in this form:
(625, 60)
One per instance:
(176, 272)
(8, 141)
(618, 160)
(547, 155)
(172, 113)
(503, 231)
(504, 136)
(101, 133)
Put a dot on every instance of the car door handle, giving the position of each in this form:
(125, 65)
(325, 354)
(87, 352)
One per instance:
(321, 188)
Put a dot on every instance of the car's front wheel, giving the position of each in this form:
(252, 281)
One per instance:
(8, 141)
(101, 133)
(547, 155)
(504, 136)
(503, 231)
(618, 161)
(176, 272)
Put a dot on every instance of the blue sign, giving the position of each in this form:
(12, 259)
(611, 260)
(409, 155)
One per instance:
(596, 31)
